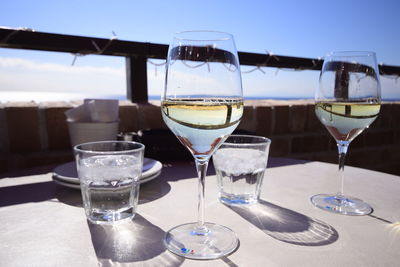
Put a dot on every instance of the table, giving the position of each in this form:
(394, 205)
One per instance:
(43, 224)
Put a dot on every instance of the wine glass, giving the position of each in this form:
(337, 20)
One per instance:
(347, 101)
(202, 104)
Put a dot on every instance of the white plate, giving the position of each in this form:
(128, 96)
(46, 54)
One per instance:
(70, 185)
(77, 186)
(149, 178)
(67, 172)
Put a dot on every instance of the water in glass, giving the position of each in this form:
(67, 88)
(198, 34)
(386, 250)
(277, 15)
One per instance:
(110, 187)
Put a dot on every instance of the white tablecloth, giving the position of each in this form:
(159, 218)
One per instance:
(43, 224)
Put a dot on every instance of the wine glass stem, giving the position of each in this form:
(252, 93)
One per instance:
(342, 149)
(201, 166)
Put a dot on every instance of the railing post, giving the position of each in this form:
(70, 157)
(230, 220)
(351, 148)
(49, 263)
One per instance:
(342, 80)
(136, 78)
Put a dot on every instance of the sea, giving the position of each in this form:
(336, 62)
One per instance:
(10, 96)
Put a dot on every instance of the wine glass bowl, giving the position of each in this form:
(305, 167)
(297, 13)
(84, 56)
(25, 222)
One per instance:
(347, 101)
(202, 104)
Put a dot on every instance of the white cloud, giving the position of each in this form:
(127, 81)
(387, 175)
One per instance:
(390, 87)
(52, 81)
(30, 65)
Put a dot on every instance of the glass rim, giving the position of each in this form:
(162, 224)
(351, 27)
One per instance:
(351, 53)
(228, 36)
(111, 152)
(262, 139)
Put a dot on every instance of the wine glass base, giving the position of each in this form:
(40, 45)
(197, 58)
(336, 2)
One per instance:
(186, 241)
(341, 204)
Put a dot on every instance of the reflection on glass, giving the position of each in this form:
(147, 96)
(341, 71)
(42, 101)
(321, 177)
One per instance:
(202, 104)
(347, 101)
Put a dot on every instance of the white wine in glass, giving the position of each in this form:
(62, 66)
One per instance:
(347, 101)
(202, 104)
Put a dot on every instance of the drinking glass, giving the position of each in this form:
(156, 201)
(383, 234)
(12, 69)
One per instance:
(202, 104)
(240, 164)
(346, 102)
(109, 173)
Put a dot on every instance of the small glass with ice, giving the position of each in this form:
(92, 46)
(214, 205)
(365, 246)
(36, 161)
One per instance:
(109, 173)
(240, 163)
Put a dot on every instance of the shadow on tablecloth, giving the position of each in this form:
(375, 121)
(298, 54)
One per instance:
(286, 225)
(50, 191)
(38, 192)
(137, 243)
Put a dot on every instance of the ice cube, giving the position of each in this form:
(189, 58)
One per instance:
(237, 161)
(110, 168)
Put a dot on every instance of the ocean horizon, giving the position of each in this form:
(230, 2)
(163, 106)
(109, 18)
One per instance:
(24, 96)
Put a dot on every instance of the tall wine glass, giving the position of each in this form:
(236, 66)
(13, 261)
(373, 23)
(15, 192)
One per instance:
(348, 100)
(202, 104)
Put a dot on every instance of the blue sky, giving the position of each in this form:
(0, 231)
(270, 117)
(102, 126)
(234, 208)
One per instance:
(294, 28)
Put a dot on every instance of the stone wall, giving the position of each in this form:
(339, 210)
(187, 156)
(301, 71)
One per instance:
(33, 134)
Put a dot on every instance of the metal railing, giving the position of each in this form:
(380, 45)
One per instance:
(137, 54)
